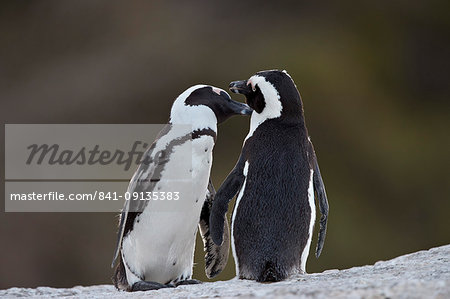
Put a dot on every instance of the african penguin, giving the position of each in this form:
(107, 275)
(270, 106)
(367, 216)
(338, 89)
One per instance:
(274, 179)
(156, 238)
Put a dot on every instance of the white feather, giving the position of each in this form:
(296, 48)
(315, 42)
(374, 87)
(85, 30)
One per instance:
(238, 200)
(305, 252)
(164, 237)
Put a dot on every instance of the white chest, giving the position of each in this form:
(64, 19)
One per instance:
(161, 245)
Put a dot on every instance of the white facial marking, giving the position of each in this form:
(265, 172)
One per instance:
(238, 199)
(217, 90)
(272, 107)
(305, 252)
(199, 117)
(251, 83)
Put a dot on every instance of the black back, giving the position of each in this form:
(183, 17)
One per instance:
(273, 216)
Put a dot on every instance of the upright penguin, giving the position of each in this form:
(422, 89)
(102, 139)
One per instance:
(275, 179)
(156, 238)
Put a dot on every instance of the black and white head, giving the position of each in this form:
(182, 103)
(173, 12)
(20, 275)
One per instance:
(205, 106)
(271, 94)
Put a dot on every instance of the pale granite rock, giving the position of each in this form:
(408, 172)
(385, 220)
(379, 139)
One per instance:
(424, 274)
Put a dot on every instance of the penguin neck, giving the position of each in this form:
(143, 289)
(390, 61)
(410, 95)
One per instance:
(258, 118)
(198, 117)
(272, 110)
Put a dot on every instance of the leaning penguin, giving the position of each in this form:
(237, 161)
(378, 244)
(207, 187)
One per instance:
(156, 238)
(274, 179)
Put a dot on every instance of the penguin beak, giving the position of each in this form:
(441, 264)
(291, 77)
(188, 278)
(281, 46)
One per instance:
(241, 87)
(240, 108)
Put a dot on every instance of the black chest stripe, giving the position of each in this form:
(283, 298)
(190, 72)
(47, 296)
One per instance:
(204, 132)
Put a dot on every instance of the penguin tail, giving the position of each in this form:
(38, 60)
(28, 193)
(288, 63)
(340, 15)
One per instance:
(120, 277)
(271, 273)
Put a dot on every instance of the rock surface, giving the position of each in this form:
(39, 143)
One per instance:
(424, 274)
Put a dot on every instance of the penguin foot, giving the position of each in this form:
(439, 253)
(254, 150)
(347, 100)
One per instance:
(188, 281)
(149, 285)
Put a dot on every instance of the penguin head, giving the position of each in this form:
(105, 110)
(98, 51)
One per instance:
(271, 94)
(205, 103)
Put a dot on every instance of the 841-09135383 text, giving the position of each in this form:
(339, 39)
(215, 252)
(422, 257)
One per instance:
(97, 195)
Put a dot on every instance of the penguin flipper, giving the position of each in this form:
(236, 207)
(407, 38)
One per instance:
(216, 256)
(226, 192)
(123, 219)
(319, 188)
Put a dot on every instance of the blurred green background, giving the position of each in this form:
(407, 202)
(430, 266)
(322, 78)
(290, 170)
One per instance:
(374, 77)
